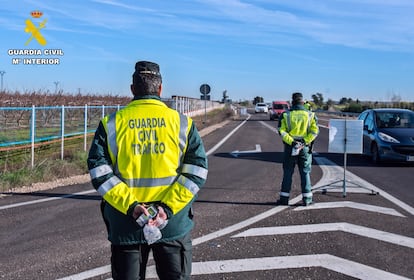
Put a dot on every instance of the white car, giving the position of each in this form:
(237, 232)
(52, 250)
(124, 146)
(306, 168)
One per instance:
(261, 108)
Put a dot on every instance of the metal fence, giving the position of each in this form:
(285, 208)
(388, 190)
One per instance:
(28, 128)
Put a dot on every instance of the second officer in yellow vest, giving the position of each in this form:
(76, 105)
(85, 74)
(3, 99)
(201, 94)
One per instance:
(148, 154)
(298, 128)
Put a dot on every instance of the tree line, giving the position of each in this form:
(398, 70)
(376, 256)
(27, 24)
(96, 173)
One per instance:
(38, 98)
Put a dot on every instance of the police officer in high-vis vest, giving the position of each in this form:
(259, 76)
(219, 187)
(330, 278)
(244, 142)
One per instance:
(143, 157)
(307, 105)
(298, 128)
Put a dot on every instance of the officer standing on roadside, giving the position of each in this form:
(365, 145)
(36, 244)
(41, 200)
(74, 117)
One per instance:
(307, 105)
(298, 128)
(147, 154)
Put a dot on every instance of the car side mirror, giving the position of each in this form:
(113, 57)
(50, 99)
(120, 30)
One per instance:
(367, 129)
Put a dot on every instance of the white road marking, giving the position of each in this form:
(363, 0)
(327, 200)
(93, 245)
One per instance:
(345, 227)
(331, 171)
(89, 273)
(44, 199)
(350, 204)
(274, 129)
(245, 223)
(212, 150)
(329, 262)
(257, 150)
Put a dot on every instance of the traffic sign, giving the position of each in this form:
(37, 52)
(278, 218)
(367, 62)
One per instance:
(205, 89)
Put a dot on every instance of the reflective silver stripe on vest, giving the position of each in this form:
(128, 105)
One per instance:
(150, 182)
(284, 133)
(111, 125)
(183, 136)
(100, 171)
(195, 170)
(309, 122)
(288, 123)
(188, 184)
(108, 185)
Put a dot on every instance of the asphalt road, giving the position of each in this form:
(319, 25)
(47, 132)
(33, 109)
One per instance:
(239, 232)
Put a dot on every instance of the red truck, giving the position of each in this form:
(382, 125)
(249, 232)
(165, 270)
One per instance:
(278, 107)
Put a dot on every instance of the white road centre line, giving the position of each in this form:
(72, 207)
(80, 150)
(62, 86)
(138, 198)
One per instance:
(212, 150)
(351, 204)
(345, 227)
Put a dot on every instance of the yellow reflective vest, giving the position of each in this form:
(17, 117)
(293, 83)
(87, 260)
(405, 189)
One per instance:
(298, 124)
(146, 143)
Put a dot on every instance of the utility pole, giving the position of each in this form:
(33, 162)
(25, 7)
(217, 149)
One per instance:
(56, 86)
(2, 73)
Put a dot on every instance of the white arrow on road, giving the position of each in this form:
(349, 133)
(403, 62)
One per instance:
(236, 153)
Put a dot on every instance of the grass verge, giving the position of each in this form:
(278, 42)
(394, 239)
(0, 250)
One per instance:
(46, 171)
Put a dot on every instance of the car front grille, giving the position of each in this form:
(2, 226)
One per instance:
(404, 150)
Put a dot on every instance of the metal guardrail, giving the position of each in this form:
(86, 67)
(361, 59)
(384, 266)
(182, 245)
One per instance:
(27, 127)
(30, 127)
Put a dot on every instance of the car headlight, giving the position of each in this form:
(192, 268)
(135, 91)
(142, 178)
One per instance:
(386, 138)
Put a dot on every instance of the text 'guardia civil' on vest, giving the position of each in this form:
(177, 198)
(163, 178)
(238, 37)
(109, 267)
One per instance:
(146, 123)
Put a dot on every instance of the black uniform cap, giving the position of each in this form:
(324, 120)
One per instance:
(297, 97)
(147, 67)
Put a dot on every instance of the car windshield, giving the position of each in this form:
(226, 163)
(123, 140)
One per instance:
(280, 106)
(395, 119)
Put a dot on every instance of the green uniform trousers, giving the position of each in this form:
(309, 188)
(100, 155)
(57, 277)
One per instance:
(304, 162)
(173, 260)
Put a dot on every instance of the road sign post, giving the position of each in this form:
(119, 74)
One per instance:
(205, 94)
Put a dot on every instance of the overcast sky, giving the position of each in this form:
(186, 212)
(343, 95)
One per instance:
(341, 48)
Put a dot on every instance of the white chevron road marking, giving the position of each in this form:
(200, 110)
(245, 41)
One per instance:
(350, 204)
(331, 171)
(345, 227)
(340, 265)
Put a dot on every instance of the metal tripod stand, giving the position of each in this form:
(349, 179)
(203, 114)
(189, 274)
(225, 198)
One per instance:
(344, 181)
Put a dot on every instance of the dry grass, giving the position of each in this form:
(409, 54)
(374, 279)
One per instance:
(213, 117)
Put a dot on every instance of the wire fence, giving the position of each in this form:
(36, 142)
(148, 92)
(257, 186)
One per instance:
(26, 132)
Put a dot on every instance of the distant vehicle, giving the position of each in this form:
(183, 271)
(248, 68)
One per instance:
(388, 134)
(278, 107)
(261, 108)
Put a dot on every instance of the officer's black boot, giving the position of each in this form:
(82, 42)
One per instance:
(283, 200)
